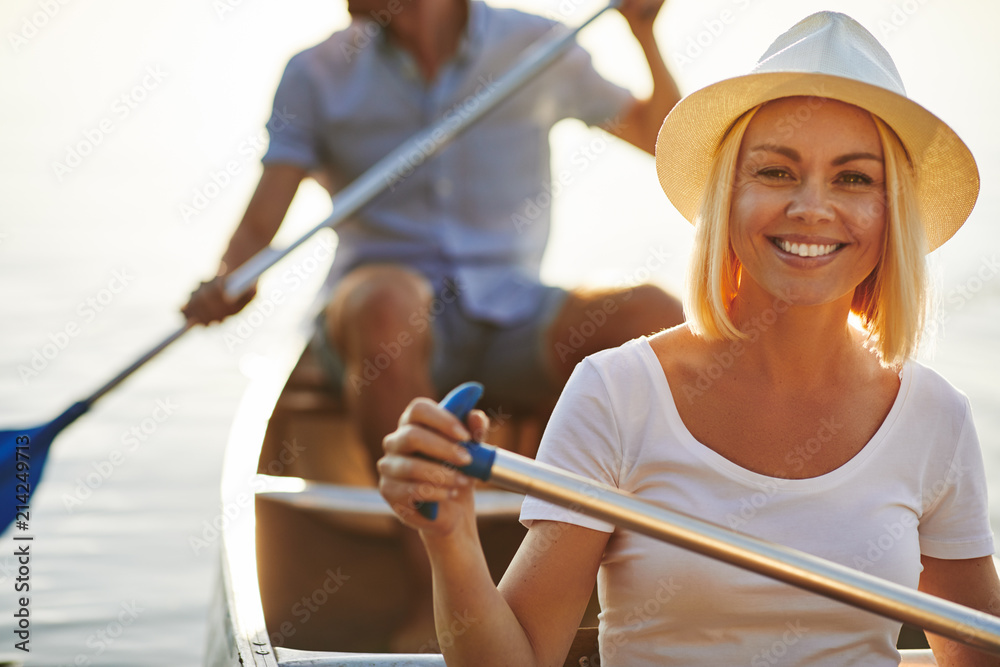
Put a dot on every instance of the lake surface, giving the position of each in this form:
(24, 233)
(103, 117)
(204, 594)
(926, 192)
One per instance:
(131, 133)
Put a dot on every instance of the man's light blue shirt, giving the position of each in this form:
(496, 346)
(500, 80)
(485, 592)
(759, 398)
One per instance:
(478, 212)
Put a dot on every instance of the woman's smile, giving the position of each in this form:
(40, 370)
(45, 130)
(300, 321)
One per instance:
(805, 249)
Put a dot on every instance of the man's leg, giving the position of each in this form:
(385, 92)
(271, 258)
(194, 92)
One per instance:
(386, 359)
(525, 366)
(597, 319)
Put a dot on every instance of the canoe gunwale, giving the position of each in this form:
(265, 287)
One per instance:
(238, 590)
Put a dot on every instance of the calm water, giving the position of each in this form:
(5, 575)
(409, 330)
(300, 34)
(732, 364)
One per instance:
(130, 135)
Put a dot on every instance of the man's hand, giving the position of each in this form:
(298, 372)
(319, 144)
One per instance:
(641, 14)
(260, 223)
(641, 122)
(209, 303)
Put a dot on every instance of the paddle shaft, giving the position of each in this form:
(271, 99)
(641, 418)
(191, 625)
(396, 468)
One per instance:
(400, 163)
(523, 475)
(155, 350)
(49, 430)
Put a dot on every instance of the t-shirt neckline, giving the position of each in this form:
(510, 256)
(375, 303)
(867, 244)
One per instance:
(663, 397)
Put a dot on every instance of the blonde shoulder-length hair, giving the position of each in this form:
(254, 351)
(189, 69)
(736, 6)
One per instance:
(891, 303)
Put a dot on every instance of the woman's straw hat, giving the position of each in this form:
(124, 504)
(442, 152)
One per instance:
(827, 55)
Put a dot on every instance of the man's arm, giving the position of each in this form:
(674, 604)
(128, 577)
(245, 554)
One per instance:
(641, 122)
(265, 212)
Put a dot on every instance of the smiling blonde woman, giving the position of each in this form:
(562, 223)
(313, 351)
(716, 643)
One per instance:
(816, 187)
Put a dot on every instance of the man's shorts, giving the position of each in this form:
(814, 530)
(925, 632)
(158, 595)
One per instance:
(513, 363)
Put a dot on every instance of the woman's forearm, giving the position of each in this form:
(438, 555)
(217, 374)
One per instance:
(475, 625)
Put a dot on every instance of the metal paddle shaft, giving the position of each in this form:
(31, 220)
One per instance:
(116, 380)
(513, 472)
(400, 163)
(517, 473)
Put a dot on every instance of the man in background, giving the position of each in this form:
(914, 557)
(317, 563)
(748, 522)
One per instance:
(442, 269)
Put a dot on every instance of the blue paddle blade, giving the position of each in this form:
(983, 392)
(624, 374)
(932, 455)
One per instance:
(23, 453)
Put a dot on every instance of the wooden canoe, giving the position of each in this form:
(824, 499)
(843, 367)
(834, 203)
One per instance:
(311, 571)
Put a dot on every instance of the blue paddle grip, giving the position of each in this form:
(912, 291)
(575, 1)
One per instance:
(459, 402)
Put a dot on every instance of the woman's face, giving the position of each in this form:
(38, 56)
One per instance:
(808, 210)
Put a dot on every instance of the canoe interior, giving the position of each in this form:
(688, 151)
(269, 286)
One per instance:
(336, 582)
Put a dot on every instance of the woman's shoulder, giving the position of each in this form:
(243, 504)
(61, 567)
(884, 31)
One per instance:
(928, 390)
(683, 354)
(642, 352)
(677, 343)
(625, 374)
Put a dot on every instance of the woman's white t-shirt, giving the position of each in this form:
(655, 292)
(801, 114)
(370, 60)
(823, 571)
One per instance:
(917, 487)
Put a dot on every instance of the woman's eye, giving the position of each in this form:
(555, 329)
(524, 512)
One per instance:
(774, 174)
(855, 178)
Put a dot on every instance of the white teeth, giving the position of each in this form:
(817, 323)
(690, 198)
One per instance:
(806, 250)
